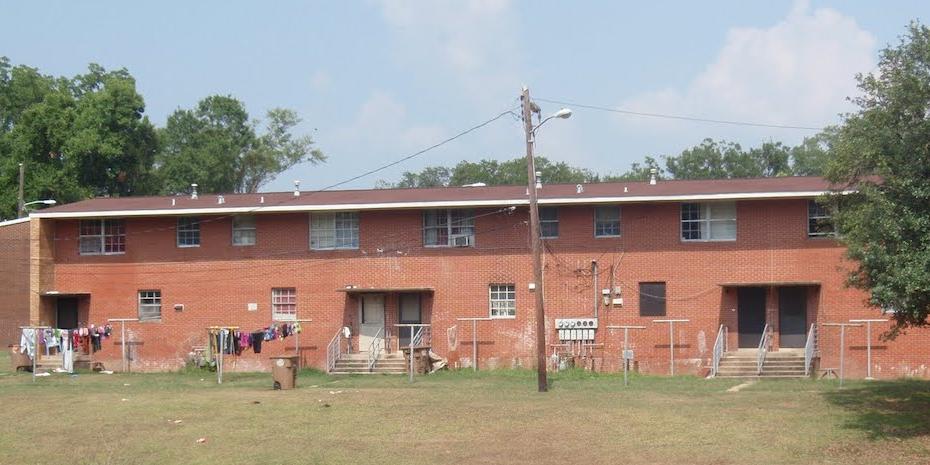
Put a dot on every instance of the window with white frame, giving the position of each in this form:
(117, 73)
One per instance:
(188, 231)
(243, 230)
(819, 220)
(283, 303)
(503, 300)
(448, 228)
(338, 230)
(149, 305)
(708, 221)
(607, 221)
(102, 237)
(549, 222)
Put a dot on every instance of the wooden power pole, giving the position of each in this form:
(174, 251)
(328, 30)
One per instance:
(536, 245)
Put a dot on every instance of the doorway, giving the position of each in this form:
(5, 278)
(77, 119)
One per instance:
(66, 313)
(792, 316)
(750, 309)
(409, 312)
(371, 320)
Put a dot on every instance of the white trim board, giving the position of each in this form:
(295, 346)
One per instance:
(12, 222)
(431, 204)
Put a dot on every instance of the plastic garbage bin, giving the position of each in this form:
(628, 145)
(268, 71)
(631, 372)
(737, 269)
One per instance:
(284, 372)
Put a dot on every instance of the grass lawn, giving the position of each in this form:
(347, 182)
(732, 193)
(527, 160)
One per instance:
(457, 417)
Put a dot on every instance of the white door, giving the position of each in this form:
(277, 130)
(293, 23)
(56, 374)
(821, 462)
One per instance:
(371, 319)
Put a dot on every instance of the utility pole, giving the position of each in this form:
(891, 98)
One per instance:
(535, 241)
(21, 204)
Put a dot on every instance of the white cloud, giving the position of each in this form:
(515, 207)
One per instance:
(472, 42)
(797, 72)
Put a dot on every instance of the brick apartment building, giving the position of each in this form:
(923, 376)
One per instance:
(741, 254)
(14, 279)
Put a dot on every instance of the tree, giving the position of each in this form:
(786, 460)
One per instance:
(78, 137)
(882, 152)
(811, 157)
(216, 146)
(493, 173)
(640, 171)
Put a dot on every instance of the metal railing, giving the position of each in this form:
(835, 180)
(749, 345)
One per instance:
(422, 337)
(334, 350)
(720, 348)
(763, 347)
(810, 349)
(375, 348)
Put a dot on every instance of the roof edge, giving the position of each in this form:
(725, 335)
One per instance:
(12, 222)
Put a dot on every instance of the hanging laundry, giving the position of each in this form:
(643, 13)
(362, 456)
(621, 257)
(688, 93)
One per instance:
(257, 338)
(27, 342)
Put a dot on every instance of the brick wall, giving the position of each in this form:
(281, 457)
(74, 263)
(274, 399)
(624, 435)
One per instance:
(216, 281)
(14, 281)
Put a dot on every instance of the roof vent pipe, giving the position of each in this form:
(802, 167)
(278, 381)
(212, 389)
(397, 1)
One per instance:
(194, 191)
(579, 188)
(261, 199)
(172, 202)
(539, 179)
(652, 176)
(220, 200)
(296, 188)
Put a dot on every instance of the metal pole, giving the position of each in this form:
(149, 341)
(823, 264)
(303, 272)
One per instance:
(868, 349)
(842, 351)
(474, 345)
(21, 199)
(411, 354)
(541, 379)
(35, 351)
(671, 346)
(626, 345)
(122, 340)
(219, 366)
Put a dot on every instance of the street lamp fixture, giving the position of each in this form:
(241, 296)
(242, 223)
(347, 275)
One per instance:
(43, 202)
(564, 113)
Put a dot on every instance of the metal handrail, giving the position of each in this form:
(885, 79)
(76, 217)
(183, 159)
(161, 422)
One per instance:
(810, 348)
(375, 348)
(423, 333)
(333, 351)
(720, 347)
(763, 347)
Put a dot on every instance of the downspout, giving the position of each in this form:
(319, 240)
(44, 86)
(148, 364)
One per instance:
(596, 291)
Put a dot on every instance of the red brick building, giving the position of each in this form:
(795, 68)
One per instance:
(14, 279)
(741, 254)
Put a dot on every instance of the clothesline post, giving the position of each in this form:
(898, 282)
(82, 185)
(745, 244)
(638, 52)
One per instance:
(868, 343)
(626, 356)
(474, 339)
(35, 346)
(122, 339)
(842, 327)
(671, 342)
(297, 337)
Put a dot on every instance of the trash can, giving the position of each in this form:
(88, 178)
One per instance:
(284, 372)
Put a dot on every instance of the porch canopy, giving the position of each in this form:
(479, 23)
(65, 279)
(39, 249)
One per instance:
(382, 290)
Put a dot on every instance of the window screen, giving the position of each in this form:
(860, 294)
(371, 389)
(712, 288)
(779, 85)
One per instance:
(652, 299)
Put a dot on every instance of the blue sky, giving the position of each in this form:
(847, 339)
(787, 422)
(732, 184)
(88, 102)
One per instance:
(377, 80)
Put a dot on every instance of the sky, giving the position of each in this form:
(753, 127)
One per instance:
(375, 81)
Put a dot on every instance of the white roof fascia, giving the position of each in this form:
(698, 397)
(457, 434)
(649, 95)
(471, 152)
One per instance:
(430, 204)
(12, 222)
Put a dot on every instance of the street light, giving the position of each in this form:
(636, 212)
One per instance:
(528, 109)
(44, 202)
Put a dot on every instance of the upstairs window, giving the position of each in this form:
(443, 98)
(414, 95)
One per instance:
(284, 304)
(243, 230)
(188, 231)
(819, 220)
(329, 231)
(549, 222)
(652, 299)
(448, 228)
(708, 221)
(149, 305)
(607, 222)
(503, 300)
(102, 237)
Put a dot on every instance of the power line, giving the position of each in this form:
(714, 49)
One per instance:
(680, 117)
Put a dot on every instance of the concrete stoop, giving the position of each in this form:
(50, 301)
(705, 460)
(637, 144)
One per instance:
(357, 364)
(789, 364)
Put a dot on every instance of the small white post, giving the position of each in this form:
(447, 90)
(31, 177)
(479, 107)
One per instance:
(671, 341)
(219, 365)
(626, 347)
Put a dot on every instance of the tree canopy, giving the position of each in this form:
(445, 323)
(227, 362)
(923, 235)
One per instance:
(883, 152)
(88, 135)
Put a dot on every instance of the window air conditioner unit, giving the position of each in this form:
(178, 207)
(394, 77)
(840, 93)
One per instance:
(462, 241)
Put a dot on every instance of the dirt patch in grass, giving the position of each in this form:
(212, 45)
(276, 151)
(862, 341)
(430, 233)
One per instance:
(456, 417)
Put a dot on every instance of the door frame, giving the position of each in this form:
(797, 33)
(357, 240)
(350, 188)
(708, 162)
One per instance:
(741, 335)
(804, 291)
(361, 314)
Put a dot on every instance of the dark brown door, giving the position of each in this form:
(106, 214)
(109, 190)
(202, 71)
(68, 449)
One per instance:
(408, 312)
(67, 309)
(750, 316)
(792, 316)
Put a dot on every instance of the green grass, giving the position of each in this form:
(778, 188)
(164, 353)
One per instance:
(457, 417)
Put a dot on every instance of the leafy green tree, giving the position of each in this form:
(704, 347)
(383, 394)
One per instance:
(77, 137)
(216, 146)
(493, 173)
(639, 171)
(882, 151)
(812, 155)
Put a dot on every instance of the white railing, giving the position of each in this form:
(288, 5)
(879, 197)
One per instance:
(334, 350)
(375, 348)
(720, 348)
(423, 337)
(810, 349)
(763, 347)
